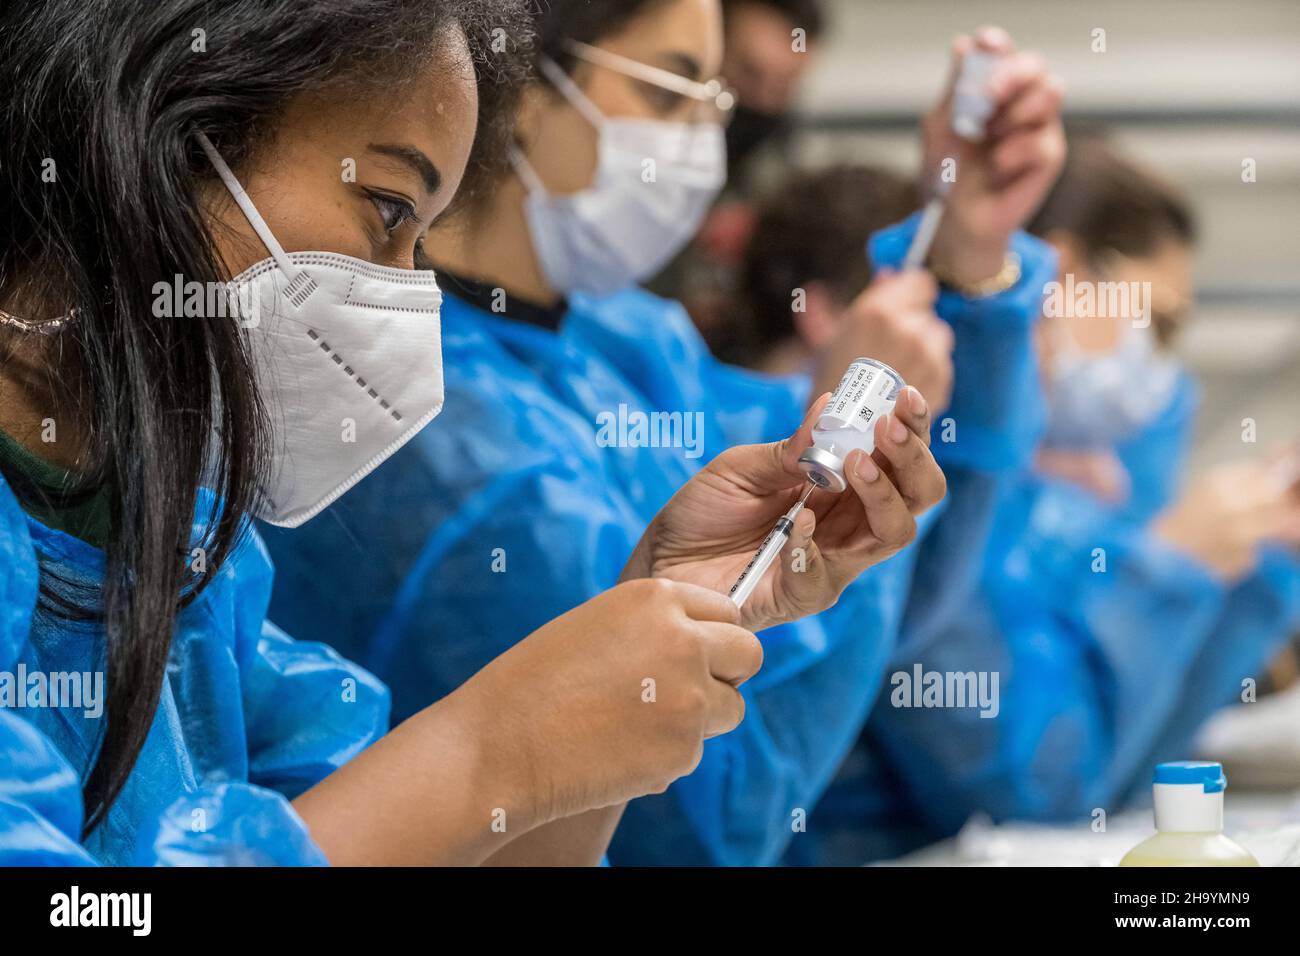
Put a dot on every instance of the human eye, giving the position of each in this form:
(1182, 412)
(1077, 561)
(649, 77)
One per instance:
(393, 211)
(665, 102)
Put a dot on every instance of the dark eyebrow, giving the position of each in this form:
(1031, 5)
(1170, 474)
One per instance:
(413, 158)
(683, 64)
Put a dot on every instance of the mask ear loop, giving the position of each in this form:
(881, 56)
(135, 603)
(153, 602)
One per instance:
(571, 91)
(577, 99)
(301, 285)
(524, 170)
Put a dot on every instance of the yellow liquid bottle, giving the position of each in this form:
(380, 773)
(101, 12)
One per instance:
(1188, 799)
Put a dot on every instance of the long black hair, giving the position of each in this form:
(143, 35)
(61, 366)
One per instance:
(99, 200)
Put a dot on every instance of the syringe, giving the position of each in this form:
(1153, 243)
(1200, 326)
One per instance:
(928, 227)
(767, 552)
(971, 109)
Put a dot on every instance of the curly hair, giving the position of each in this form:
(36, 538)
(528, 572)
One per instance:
(813, 228)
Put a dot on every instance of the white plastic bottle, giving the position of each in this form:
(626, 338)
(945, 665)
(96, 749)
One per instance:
(868, 390)
(1189, 820)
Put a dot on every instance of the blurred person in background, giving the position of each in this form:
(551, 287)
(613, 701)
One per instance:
(789, 248)
(526, 503)
(137, 442)
(1119, 611)
(770, 45)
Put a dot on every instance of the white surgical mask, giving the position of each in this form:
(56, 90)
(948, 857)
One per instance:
(626, 225)
(348, 357)
(1098, 400)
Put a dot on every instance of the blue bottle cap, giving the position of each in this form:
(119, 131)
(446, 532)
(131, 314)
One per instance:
(1205, 772)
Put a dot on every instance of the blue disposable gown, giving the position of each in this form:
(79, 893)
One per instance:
(248, 719)
(528, 495)
(1103, 673)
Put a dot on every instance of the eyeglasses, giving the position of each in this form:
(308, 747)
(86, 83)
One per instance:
(716, 101)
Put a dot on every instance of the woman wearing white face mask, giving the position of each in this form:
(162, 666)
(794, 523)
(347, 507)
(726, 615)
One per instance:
(139, 423)
(288, 350)
(578, 403)
(1120, 404)
(1125, 245)
(1115, 634)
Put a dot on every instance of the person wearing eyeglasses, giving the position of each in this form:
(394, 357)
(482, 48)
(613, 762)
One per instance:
(577, 403)
(770, 48)
(150, 713)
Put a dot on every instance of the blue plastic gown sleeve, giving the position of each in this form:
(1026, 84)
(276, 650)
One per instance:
(1156, 457)
(986, 438)
(309, 712)
(40, 800)
(820, 676)
(40, 792)
(228, 824)
(305, 710)
(1257, 618)
(246, 719)
(470, 570)
(656, 350)
(995, 418)
(1090, 664)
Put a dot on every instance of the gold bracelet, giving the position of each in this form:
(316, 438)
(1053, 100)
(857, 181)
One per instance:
(1004, 280)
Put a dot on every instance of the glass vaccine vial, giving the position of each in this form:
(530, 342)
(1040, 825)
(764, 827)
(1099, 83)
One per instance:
(868, 390)
(971, 104)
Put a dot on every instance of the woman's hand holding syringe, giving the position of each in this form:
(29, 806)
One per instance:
(710, 530)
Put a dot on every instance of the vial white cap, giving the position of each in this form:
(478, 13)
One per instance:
(824, 469)
(1188, 797)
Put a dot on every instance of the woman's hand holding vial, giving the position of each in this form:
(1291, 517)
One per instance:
(893, 320)
(709, 532)
(997, 158)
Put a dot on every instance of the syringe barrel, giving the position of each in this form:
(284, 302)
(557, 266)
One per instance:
(763, 559)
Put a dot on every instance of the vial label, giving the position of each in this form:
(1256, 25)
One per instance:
(863, 393)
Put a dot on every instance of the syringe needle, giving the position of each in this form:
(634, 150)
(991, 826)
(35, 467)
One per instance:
(767, 552)
(806, 495)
